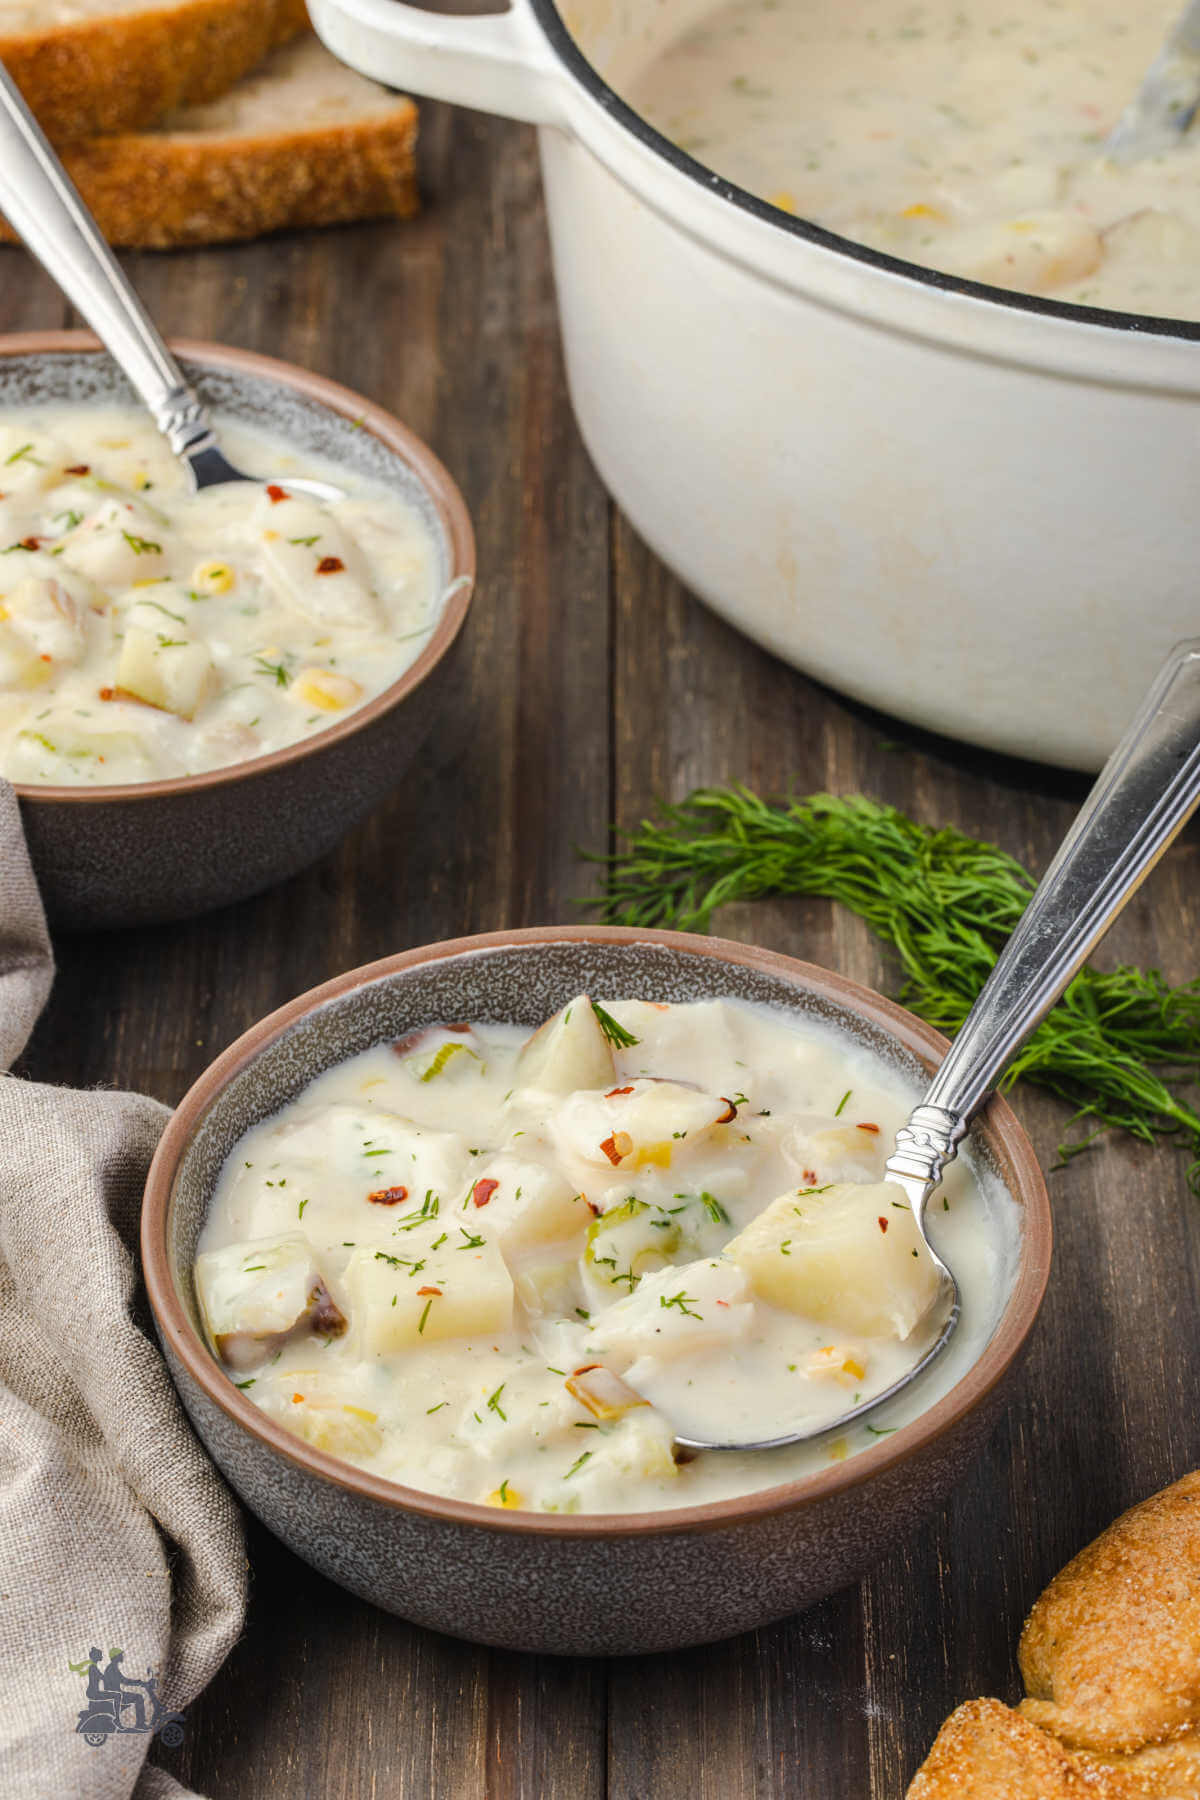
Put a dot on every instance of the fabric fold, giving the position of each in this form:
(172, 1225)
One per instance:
(116, 1533)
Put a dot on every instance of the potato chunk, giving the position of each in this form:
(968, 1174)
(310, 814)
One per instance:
(569, 1051)
(848, 1256)
(254, 1296)
(163, 663)
(442, 1280)
(1035, 253)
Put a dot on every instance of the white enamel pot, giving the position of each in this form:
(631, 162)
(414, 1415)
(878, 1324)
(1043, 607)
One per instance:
(970, 508)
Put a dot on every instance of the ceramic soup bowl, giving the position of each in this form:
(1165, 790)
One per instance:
(156, 850)
(582, 1584)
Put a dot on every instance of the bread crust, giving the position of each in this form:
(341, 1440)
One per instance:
(162, 191)
(1110, 1655)
(125, 71)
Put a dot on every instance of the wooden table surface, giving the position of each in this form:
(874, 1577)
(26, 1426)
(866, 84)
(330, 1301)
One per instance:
(593, 683)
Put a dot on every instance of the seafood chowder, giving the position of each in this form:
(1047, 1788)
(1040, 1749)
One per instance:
(147, 631)
(511, 1268)
(962, 134)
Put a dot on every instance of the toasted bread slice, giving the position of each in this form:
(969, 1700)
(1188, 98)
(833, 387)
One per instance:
(302, 141)
(87, 66)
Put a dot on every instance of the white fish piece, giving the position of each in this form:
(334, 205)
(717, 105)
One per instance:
(312, 563)
(254, 1296)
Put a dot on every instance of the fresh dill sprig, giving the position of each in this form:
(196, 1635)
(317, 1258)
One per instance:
(616, 1034)
(1115, 1048)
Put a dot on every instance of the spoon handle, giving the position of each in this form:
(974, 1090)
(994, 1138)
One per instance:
(44, 208)
(1143, 797)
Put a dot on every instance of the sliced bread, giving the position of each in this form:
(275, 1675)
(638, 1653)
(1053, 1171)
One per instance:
(302, 141)
(87, 66)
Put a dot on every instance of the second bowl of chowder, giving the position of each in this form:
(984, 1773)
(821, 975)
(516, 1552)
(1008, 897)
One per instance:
(199, 693)
(436, 1286)
(940, 494)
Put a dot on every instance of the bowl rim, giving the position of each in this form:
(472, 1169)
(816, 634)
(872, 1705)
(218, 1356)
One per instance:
(1001, 1129)
(440, 489)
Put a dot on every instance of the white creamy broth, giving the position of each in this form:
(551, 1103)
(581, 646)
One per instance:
(962, 134)
(510, 1268)
(147, 631)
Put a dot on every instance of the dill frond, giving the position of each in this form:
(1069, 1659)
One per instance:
(1115, 1048)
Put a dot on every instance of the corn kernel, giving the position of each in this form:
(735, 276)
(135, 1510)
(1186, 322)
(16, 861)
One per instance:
(784, 199)
(506, 1497)
(325, 690)
(853, 1367)
(212, 578)
(839, 1450)
(658, 1154)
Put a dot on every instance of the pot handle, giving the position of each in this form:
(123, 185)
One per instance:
(496, 62)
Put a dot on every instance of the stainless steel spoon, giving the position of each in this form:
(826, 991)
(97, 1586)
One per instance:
(1163, 108)
(44, 208)
(1143, 797)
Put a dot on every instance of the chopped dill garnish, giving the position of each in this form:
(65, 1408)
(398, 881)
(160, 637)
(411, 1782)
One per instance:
(577, 1465)
(141, 546)
(277, 671)
(715, 1210)
(424, 1316)
(494, 1403)
(618, 1037)
(684, 1302)
(837, 1111)
(1117, 1048)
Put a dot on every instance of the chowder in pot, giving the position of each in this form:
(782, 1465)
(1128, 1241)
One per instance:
(968, 138)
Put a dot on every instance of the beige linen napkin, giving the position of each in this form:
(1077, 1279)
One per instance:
(115, 1530)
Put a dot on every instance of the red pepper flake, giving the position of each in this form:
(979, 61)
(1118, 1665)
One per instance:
(388, 1196)
(330, 565)
(584, 1369)
(873, 1129)
(591, 1206)
(613, 1092)
(730, 1113)
(78, 469)
(45, 657)
(276, 494)
(617, 1145)
(31, 543)
(108, 693)
(431, 1291)
(297, 1398)
(809, 1177)
(883, 1224)
(483, 1190)
(722, 1303)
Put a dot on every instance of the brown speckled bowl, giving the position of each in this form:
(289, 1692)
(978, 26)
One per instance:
(155, 850)
(586, 1584)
